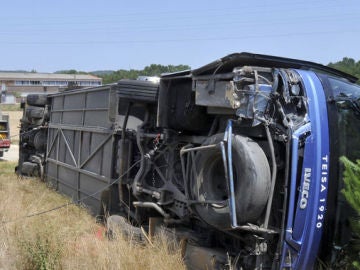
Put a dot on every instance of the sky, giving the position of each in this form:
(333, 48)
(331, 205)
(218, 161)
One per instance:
(48, 36)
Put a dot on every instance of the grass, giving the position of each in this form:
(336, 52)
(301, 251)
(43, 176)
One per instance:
(68, 238)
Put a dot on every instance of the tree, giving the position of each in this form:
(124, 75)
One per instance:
(71, 71)
(152, 70)
(347, 65)
(352, 195)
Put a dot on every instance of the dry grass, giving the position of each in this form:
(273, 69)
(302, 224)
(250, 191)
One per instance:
(68, 238)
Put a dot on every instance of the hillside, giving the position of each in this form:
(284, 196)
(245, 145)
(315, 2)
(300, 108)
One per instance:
(41, 229)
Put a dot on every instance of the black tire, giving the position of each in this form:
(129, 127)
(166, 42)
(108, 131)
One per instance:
(134, 90)
(39, 100)
(39, 140)
(34, 113)
(252, 179)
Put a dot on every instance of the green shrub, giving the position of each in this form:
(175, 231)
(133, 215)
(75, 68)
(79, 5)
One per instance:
(352, 195)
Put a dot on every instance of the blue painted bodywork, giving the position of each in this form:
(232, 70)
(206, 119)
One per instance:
(307, 198)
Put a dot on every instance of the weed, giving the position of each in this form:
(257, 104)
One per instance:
(39, 253)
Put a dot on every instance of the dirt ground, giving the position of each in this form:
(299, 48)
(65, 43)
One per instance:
(13, 153)
(15, 117)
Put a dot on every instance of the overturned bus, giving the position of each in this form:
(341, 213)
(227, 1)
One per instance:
(240, 158)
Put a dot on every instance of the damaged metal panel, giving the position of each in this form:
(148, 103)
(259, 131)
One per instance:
(245, 90)
(214, 94)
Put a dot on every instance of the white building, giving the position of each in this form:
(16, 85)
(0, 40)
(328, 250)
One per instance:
(25, 82)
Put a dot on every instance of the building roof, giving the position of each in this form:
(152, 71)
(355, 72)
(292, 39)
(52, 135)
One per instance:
(46, 76)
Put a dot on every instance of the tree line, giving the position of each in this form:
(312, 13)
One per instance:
(152, 70)
(348, 65)
(110, 76)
